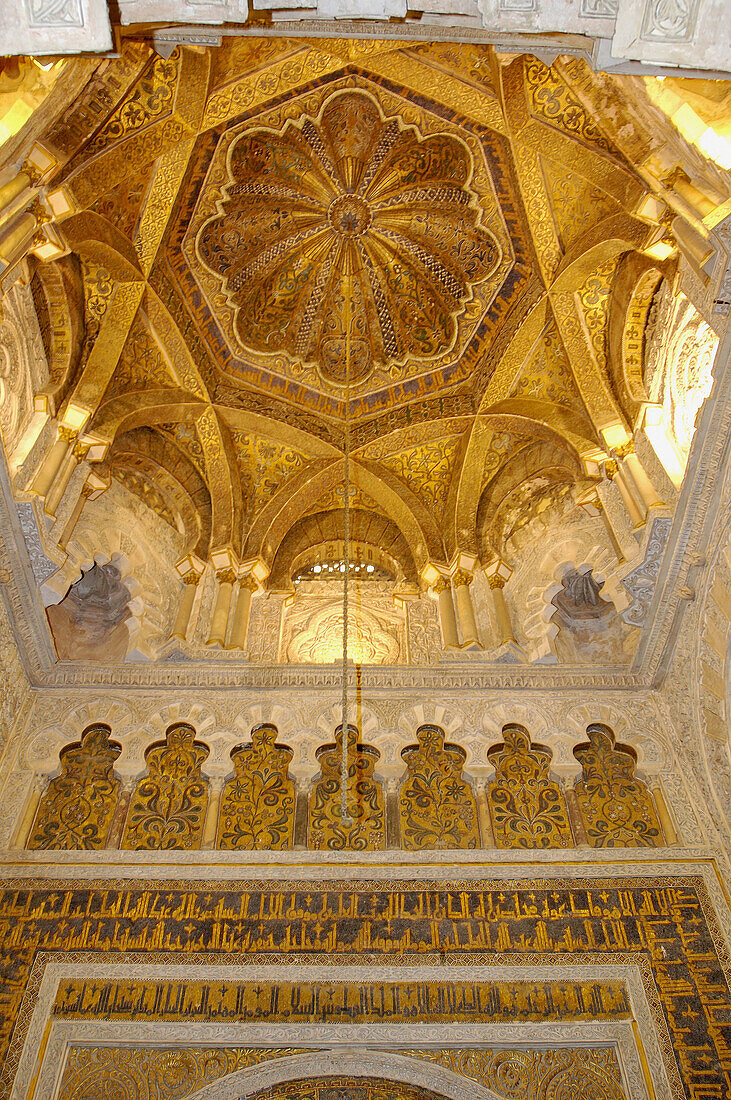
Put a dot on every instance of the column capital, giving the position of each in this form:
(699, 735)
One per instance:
(498, 573)
(611, 468)
(189, 564)
(80, 450)
(226, 576)
(248, 580)
(624, 449)
(461, 578)
(441, 584)
(68, 435)
(192, 578)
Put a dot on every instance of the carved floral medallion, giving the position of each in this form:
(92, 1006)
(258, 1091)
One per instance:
(348, 240)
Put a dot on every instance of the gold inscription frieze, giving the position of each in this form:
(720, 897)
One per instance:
(341, 1002)
(666, 926)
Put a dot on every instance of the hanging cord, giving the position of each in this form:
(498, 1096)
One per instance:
(344, 759)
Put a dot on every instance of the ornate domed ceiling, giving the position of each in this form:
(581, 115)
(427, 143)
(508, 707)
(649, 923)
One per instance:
(348, 241)
(225, 238)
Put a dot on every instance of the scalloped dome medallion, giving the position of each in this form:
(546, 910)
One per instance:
(348, 238)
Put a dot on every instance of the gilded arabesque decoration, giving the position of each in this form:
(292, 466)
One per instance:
(168, 807)
(174, 1074)
(348, 237)
(581, 1073)
(365, 830)
(265, 465)
(257, 805)
(616, 807)
(427, 470)
(437, 807)
(339, 1087)
(664, 927)
(154, 1074)
(527, 808)
(78, 806)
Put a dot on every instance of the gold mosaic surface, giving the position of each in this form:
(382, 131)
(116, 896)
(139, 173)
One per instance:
(437, 806)
(168, 807)
(527, 808)
(616, 807)
(665, 927)
(78, 806)
(352, 261)
(341, 1002)
(257, 805)
(365, 828)
(428, 214)
(173, 1074)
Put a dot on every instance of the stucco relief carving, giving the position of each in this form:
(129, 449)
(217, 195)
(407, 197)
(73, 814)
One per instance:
(23, 367)
(679, 357)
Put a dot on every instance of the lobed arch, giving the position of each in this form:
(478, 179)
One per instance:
(92, 237)
(461, 520)
(434, 1080)
(287, 507)
(58, 299)
(172, 473)
(612, 237)
(219, 459)
(636, 285)
(537, 459)
(377, 536)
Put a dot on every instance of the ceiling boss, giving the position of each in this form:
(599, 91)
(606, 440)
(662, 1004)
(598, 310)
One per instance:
(348, 221)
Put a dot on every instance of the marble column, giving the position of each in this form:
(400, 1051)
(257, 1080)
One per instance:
(502, 613)
(210, 829)
(240, 625)
(447, 617)
(23, 829)
(53, 461)
(219, 619)
(11, 191)
(185, 607)
(461, 581)
(93, 487)
(593, 505)
(638, 476)
(668, 828)
(73, 457)
(15, 239)
(615, 474)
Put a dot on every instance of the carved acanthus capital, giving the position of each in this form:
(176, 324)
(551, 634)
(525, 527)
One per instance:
(611, 468)
(441, 584)
(40, 212)
(68, 435)
(624, 449)
(192, 578)
(226, 576)
(248, 581)
(496, 581)
(462, 579)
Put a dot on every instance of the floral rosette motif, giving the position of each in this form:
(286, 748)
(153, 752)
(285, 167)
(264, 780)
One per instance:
(348, 241)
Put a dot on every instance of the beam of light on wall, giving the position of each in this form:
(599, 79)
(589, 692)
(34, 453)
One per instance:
(689, 123)
(663, 445)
